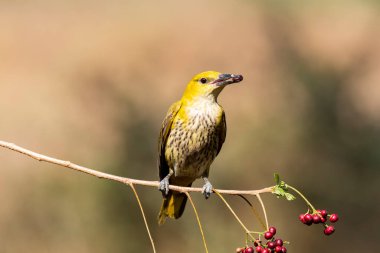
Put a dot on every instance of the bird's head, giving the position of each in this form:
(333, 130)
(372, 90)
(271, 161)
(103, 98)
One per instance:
(209, 84)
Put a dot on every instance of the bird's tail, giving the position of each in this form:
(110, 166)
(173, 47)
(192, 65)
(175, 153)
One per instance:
(172, 206)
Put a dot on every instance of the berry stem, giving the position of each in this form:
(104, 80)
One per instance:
(198, 220)
(234, 214)
(255, 232)
(254, 211)
(264, 211)
(304, 198)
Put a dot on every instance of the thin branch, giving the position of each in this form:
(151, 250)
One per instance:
(143, 215)
(254, 211)
(124, 180)
(304, 198)
(265, 212)
(232, 211)
(198, 220)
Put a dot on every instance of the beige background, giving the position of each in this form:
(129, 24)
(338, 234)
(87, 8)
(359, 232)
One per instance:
(90, 82)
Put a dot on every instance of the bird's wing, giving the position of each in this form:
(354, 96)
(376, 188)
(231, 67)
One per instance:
(221, 132)
(163, 167)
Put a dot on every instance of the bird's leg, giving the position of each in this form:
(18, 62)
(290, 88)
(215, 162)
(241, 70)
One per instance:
(207, 187)
(164, 183)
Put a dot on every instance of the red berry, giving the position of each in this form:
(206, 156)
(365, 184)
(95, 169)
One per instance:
(323, 213)
(239, 250)
(334, 218)
(308, 219)
(278, 242)
(301, 217)
(265, 251)
(283, 249)
(278, 249)
(323, 219)
(257, 242)
(329, 230)
(316, 218)
(271, 245)
(248, 250)
(272, 230)
(268, 235)
(259, 249)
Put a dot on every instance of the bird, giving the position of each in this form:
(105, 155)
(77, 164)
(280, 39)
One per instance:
(191, 136)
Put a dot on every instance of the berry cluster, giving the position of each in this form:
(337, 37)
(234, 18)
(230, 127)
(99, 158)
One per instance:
(320, 216)
(272, 245)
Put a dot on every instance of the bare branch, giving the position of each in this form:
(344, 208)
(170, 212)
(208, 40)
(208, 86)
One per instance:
(124, 180)
(265, 212)
(198, 220)
(143, 215)
(234, 214)
(254, 211)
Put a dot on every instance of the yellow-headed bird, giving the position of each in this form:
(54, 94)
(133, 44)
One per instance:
(191, 136)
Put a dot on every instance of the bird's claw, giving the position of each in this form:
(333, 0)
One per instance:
(164, 186)
(207, 190)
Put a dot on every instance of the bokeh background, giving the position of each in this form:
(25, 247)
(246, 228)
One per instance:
(90, 82)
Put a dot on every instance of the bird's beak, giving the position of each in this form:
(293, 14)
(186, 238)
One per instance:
(225, 79)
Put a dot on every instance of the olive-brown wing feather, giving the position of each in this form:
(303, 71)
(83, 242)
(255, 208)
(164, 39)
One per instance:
(221, 132)
(163, 167)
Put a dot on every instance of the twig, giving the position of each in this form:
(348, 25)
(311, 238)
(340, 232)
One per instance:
(143, 215)
(304, 198)
(265, 212)
(254, 211)
(232, 211)
(198, 220)
(124, 180)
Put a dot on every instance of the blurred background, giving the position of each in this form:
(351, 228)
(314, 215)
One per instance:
(91, 81)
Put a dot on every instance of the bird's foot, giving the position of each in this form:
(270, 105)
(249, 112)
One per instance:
(164, 186)
(207, 189)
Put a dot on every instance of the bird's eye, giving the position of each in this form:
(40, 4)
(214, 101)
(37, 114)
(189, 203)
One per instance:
(203, 80)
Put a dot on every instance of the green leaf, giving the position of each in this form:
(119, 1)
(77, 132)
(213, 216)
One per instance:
(278, 191)
(277, 178)
(281, 189)
(289, 196)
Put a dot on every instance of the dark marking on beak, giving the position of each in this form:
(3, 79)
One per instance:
(225, 79)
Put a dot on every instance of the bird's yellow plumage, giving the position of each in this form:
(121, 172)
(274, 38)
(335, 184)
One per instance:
(191, 136)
